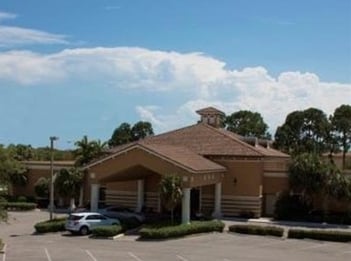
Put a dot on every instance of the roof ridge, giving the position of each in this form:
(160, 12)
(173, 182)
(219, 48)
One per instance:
(234, 138)
(169, 132)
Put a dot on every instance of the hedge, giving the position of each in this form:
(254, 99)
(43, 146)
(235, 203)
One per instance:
(19, 206)
(257, 230)
(162, 232)
(337, 236)
(1, 244)
(107, 231)
(55, 225)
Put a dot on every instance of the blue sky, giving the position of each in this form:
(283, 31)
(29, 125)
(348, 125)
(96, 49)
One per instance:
(73, 68)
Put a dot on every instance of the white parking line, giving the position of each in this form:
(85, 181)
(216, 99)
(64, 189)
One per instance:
(4, 255)
(47, 254)
(134, 256)
(182, 258)
(90, 255)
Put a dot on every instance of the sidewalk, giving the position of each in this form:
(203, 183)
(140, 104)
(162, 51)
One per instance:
(286, 224)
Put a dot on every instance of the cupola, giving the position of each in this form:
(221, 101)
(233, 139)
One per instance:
(211, 116)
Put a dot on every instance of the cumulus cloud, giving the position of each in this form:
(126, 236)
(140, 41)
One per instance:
(202, 80)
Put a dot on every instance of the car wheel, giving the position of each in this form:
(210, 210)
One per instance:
(84, 230)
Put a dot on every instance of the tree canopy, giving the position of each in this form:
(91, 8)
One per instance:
(88, 150)
(126, 133)
(247, 123)
(341, 122)
(304, 131)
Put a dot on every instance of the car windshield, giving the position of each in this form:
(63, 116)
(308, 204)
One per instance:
(74, 217)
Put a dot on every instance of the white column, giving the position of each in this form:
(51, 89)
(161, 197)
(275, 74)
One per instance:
(217, 213)
(140, 195)
(94, 197)
(186, 206)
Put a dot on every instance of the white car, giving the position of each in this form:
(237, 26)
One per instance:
(84, 222)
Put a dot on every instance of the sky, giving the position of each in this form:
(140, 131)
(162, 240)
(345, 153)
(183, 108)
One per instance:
(73, 68)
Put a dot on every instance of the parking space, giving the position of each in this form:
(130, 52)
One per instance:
(22, 245)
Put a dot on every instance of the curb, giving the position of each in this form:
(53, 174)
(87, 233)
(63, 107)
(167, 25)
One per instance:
(117, 236)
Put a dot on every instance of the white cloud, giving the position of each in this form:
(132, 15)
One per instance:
(14, 36)
(7, 16)
(201, 80)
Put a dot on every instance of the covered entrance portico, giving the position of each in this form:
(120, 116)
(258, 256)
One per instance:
(143, 165)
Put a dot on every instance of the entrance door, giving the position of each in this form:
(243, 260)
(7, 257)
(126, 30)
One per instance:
(195, 201)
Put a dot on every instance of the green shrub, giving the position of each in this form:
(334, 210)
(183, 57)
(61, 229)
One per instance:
(291, 207)
(19, 206)
(21, 199)
(1, 244)
(337, 236)
(3, 211)
(130, 223)
(162, 232)
(257, 230)
(107, 231)
(55, 225)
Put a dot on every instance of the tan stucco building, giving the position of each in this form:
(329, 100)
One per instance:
(222, 173)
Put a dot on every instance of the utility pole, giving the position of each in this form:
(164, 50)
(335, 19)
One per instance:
(51, 206)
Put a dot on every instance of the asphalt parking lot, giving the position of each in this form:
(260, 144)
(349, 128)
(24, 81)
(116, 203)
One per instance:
(23, 245)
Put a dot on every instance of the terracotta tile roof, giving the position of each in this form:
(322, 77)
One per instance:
(205, 140)
(177, 155)
(270, 152)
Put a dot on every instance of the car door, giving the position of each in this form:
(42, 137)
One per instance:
(95, 220)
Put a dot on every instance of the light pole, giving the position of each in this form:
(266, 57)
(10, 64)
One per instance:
(52, 139)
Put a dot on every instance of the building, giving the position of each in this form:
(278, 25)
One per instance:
(222, 173)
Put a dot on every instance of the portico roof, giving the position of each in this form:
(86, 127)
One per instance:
(176, 155)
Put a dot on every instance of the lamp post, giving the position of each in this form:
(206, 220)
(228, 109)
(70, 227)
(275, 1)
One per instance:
(51, 207)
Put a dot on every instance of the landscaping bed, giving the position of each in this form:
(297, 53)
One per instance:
(163, 231)
(55, 225)
(18, 206)
(257, 230)
(107, 231)
(336, 236)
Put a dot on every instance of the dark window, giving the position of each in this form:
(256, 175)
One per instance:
(74, 217)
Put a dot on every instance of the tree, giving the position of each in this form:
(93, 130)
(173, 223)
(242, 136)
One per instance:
(87, 150)
(126, 133)
(304, 131)
(121, 135)
(41, 187)
(68, 183)
(341, 122)
(247, 123)
(307, 175)
(141, 130)
(171, 192)
(12, 171)
(21, 152)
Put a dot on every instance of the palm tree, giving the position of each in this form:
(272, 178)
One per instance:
(85, 152)
(68, 183)
(171, 193)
